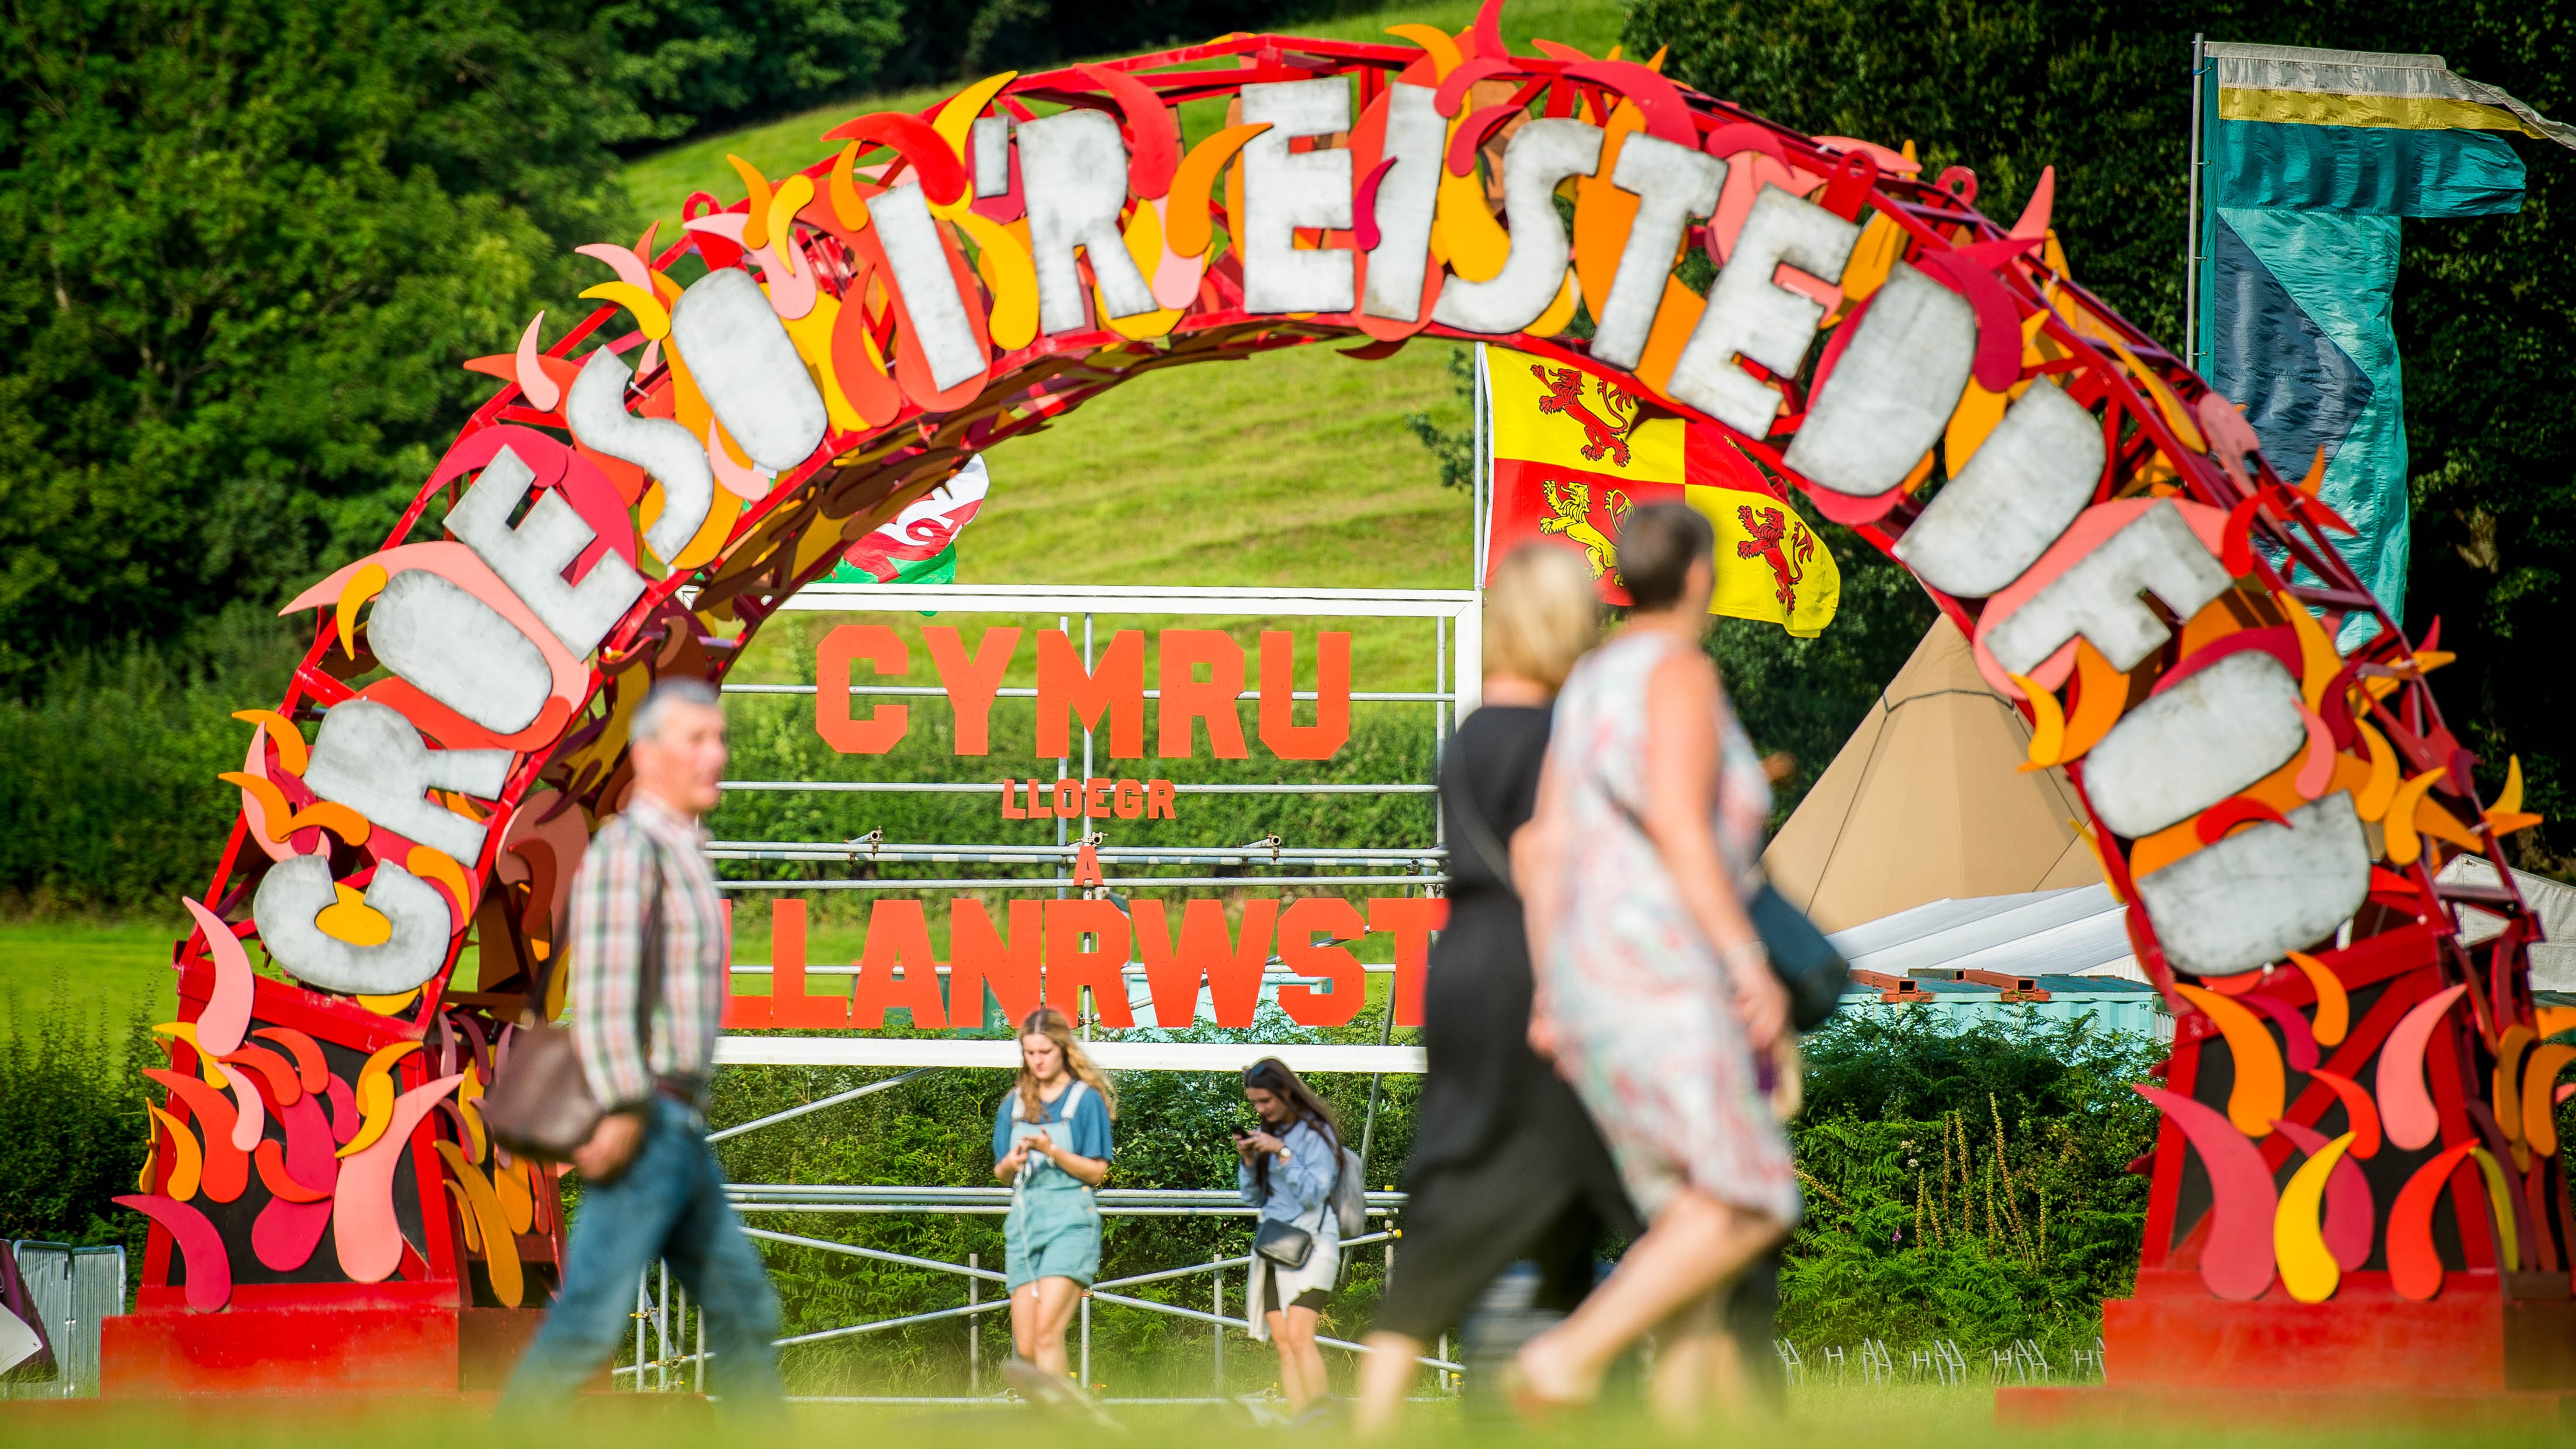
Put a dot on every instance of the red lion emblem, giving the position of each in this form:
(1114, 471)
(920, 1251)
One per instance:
(1788, 562)
(1601, 436)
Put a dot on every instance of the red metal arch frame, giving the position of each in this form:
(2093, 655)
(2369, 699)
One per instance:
(2166, 437)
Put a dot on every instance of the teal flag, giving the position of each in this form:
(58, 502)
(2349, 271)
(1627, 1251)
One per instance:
(2312, 160)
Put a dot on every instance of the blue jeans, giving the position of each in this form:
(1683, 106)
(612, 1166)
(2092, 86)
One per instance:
(668, 1204)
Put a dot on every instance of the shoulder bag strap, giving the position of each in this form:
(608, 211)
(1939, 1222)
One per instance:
(649, 994)
(1332, 1143)
(1480, 836)
(531, 1010)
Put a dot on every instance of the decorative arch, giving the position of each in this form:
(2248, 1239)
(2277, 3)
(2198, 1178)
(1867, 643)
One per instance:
(2132, 572)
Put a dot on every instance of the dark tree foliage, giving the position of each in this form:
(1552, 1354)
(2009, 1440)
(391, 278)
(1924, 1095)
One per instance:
(1897, 1067)
(2100, 89)
(110, 803)
(963, 39)
(249, 245)
(690, 62)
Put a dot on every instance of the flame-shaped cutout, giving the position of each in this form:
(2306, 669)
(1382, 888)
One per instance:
(2334, 1007)
(201, 1248)
(227, 1015)
(2236, 1261)
(368, 1239)
(2254, 1102)
(2405, 1105)
(2358, 1110)
(2308, 1269)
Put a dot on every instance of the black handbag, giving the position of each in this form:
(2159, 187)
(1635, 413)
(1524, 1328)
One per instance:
(1806, 963)
(1283, 1243)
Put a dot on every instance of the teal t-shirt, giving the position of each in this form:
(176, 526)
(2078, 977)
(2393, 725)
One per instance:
(1086, 1135)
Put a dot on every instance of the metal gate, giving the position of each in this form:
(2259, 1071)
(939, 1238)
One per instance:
(667, 1354)
(73, 1290)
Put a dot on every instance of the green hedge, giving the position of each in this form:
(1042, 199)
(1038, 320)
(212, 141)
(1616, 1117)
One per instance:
(110, 804)
(72, 1122)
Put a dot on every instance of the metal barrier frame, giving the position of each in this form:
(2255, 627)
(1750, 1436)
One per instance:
(662, 1315)
(663, 1354)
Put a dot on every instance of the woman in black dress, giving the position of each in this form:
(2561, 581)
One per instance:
(1506, 1163)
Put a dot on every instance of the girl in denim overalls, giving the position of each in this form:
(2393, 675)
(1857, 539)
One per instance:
(1051, 1144)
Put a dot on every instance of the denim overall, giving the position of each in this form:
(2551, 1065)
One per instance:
(1053, 1228)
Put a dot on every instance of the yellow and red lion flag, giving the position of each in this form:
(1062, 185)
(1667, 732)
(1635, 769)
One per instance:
(1574, 454)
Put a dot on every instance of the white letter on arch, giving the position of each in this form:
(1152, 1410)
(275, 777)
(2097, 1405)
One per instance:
(919, 261)
(2096, 596)
(2192, 745)
(2244, 901)
(297, 890)
(741, 358)
(1672, 184)
(1283, 191)
(459, 651)
(1408, 196)
(1073, 170)
(1751, 315)
(531, 558)
(2016, 496)
(595, 409)
(1891, 392)
(1540, 155)
(369, 758)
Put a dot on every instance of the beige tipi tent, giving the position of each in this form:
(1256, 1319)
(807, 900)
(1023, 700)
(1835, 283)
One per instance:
(1925, 803)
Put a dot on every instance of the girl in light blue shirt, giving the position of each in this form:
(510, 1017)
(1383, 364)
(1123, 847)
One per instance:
(1051, 1144)
(1290, 1165)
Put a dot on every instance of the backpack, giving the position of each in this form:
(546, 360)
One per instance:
(1350, 1193)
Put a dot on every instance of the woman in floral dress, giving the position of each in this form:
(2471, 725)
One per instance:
(1654, 992)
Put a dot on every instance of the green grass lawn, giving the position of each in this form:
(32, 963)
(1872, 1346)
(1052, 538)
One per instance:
(105, 968)
(1819, 1418)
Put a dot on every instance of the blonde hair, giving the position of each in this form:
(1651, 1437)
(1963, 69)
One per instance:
(1541, 614)
(1052, 1024)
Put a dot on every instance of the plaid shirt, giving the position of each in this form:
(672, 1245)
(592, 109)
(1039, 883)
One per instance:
(607, 944)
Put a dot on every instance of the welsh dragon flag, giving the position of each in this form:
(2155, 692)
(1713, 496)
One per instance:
(919, 545)
(1574, 454)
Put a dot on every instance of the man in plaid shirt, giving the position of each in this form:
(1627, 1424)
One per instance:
(651, 1188)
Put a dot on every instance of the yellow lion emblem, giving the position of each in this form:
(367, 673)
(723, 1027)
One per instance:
(1570, 514)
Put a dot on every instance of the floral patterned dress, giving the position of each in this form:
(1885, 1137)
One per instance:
(1645, 1022)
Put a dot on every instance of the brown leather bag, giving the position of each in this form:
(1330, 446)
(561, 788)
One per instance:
(540, 1104)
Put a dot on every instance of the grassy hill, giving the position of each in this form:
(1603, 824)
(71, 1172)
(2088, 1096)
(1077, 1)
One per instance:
(661, 181)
